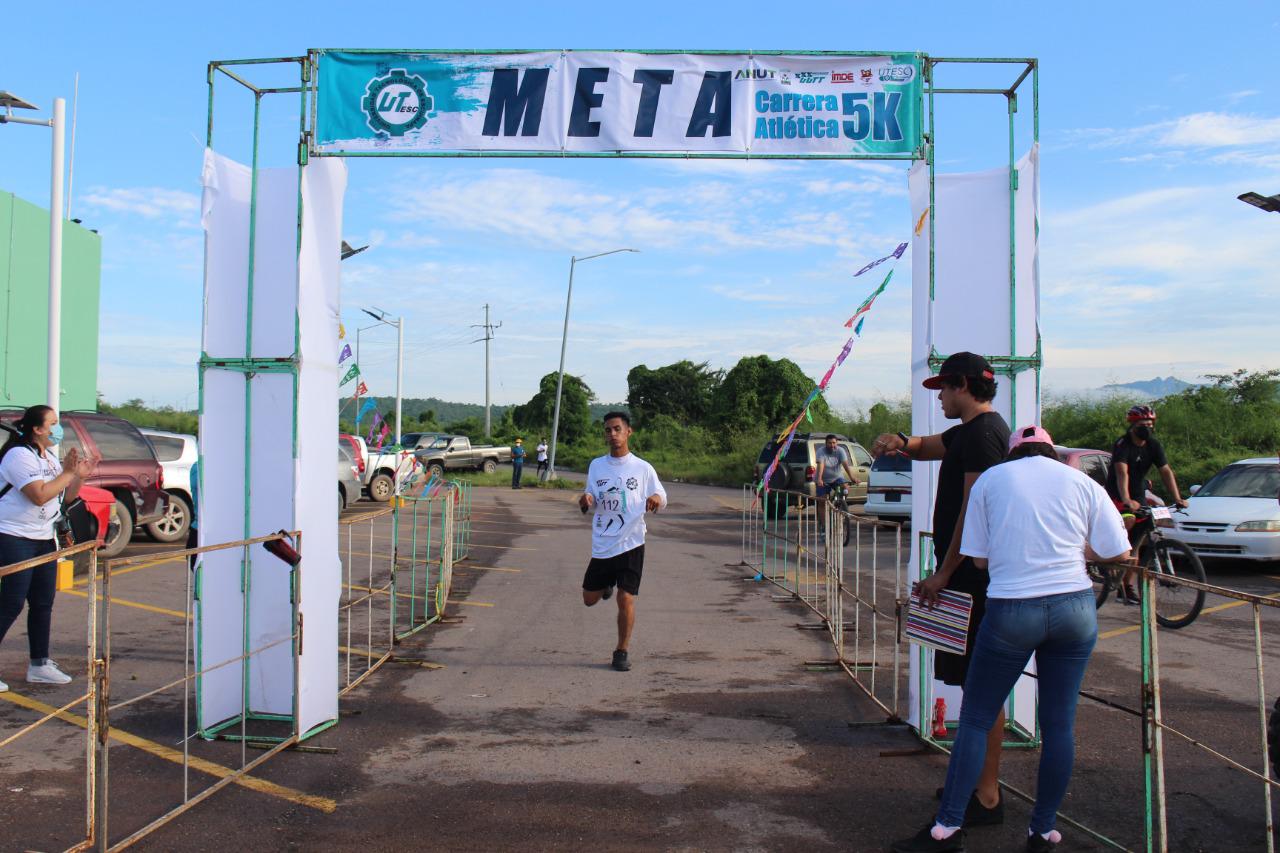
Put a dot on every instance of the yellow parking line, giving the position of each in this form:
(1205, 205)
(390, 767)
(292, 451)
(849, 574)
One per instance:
(490, 569)
(323, 804)
(124, 602)
(1217, 608)
(473, 603)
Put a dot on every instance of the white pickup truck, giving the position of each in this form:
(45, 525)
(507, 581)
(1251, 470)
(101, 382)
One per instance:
(385, 472)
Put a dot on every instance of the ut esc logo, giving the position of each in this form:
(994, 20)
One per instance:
(396, 103)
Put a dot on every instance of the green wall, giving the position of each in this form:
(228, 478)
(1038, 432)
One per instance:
(24, 307)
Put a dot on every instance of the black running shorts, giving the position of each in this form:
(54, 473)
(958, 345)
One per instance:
(622, 571)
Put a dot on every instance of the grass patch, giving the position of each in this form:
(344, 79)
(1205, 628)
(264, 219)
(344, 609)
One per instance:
(503, 478)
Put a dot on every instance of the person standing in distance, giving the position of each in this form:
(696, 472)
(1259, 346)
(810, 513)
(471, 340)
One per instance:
(33, 487)
(517, 463)
(621, 488)
(966, 385)
(541, 450)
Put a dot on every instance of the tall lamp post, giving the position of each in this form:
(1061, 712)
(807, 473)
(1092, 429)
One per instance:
(381, 316)
(57, 124)
(564, 339)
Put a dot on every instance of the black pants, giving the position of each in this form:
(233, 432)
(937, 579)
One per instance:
(517, 471)
(542, 468)
(36, 587)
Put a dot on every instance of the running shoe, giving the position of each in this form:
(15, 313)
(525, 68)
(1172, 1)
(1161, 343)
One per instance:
(924, 842)
(4, 688)
(620, 662)
(976, 814)
(47, 673)
(1037, 843)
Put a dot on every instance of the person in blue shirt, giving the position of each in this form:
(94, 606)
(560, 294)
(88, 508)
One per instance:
(517, 463)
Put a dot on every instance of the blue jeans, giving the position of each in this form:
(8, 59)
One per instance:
(517, 469)
(35, 587)
(1060, 630)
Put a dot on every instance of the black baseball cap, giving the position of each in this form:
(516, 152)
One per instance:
(967, 364)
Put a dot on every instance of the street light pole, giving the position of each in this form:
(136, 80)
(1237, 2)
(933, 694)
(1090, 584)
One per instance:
(564, 340)
(55, 257)
(10, 102)
(381, 316)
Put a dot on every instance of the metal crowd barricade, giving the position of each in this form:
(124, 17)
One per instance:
(797, 543)
(1156, 725)
(12, 743)
(433, 531)
(366, 614)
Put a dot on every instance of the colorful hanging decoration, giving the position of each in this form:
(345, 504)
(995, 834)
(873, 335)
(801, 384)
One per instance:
(920, 221)
(364, 410)
(361, 389)
(350, 374)
(373, 427)
(788, 435)
(342, 330)
(894, 255)
(345, 354)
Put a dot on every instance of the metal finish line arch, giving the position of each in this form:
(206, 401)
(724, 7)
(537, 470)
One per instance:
(722, 104)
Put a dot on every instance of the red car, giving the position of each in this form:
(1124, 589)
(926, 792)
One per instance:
(1095, 463)
(103, 506)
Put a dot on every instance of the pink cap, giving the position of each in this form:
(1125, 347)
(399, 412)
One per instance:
(1029, 433)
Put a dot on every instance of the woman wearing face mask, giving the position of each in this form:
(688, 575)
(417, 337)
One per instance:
(33, 486)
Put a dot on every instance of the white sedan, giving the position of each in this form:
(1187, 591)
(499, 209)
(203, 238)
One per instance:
(1236, 514)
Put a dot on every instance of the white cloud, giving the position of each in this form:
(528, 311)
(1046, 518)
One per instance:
(178, 206)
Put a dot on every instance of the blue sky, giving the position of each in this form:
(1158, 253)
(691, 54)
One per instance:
(1153, 118)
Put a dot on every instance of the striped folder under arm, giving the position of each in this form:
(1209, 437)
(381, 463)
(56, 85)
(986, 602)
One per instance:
(945, 627)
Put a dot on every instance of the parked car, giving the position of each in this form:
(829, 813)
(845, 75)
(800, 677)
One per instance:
(349, 482)
(420, 440)
(103, 506)
(1236, 514)
(889, 487)
(128, 468)
(457, 453)
(359, 451)
(177, 452)
(380, 473)
(795, 472)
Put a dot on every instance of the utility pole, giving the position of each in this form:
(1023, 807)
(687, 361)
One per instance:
(488, 336)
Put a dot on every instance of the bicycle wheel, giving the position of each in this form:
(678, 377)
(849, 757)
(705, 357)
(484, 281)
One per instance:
(1176, 606)
(843, 506)
(1102, 582)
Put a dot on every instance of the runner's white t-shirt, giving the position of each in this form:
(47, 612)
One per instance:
(620, 486)
(1030, 519)
(18, 515)
(542, 452)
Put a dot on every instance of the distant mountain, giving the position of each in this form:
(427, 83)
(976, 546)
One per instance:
(1150, 388)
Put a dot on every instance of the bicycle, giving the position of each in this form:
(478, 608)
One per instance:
(838, 495)
(1177, 606)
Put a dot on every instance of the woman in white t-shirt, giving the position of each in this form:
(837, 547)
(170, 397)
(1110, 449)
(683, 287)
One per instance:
(34, 486)
(1031, 523)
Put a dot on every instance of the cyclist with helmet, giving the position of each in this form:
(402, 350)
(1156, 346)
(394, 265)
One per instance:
(1132, 457)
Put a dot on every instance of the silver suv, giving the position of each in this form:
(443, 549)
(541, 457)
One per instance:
(795, 472)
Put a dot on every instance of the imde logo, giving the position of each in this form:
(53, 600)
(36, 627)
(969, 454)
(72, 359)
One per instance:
(396, 103)
(843, 77)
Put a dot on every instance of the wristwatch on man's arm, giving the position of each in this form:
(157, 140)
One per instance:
(906, 442)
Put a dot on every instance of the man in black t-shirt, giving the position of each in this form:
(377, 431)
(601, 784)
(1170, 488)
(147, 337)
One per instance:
(1132, 457)
(966, 386)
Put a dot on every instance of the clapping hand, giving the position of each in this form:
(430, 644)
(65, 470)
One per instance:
(82, 467)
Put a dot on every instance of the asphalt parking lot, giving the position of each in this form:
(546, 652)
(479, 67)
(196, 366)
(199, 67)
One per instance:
(504, 729)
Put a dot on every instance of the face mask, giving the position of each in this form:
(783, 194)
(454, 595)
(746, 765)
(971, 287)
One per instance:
(1142, 433)
(55, 434)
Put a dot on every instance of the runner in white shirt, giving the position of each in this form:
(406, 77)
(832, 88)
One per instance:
(542, 458)
(621, 487)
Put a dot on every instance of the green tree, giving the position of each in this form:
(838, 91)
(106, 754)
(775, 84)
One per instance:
(763, 392)
(682, 391)
(575, 408)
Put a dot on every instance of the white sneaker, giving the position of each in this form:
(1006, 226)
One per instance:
(47, 674)
(4, 688)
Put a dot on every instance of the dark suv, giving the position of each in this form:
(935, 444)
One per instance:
(128, 469)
